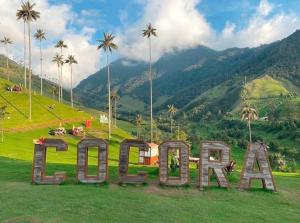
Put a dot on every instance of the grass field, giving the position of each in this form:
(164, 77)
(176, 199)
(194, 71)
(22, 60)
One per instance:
(21, 201)
(72, 202)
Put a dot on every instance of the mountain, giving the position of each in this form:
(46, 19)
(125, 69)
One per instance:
(196, 77)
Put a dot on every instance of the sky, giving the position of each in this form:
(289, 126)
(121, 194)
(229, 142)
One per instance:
(180, 24)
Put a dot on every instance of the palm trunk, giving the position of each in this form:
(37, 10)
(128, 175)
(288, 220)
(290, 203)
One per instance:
(71, 86)
(109, 105)
(171, 123)
(61, 81)
(41, 55)
(250, 133)
(29, 41)
(6, 46)
(25, 71)
(58, 83)
(150, 76)
(115, 112)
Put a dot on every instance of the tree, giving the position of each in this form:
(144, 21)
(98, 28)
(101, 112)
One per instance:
(149, 32)
(6, 41)
(172, 110)
(59, 61)
(3, 114)
(249, 114)
(114, 98)
(71, 60)
(61, 45)
(22, 14)
(138, 122)
(28, 14)
(54, 91)
(108, 45)
(40, 35)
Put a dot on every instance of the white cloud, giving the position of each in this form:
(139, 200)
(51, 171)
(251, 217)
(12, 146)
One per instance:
(264, 8)
(179, 26)
(261, 28)
(54, 21)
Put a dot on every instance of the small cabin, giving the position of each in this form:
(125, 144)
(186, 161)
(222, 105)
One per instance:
(150, 156)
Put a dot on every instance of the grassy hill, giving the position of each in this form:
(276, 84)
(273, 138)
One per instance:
(265, 87)
(45, 111)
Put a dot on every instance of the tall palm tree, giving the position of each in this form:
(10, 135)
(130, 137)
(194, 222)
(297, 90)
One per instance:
(138, 122)
(59, 61)
(61, 45)
(172, 110)
(149, 32)
(108, 45)
(71, 60)
(23, 14)
(114, 98)
(6, 41)
(28, 14)
(249, 114)
(40, 35)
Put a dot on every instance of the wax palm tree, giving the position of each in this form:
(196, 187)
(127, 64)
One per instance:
(108, 45)
(40, 35)
(23, 14)
(71, 60)
(28, 14)
(149, 32)
(61, 45)
(6, 41)
(172, 110)
(249, 114)
(58, 60)
(114, 98)
(138, 122)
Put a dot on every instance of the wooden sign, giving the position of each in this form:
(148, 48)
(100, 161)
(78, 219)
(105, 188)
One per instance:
(214, 156)
(257, 153)
(124, 177)
(82, 161)
(39, 162)
(217, 164)
(183, 163)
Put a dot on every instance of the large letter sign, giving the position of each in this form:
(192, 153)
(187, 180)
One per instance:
(183, 163)
(39, 162)
(82, 161)
(257, 152)
(124, 159)
(216, 165)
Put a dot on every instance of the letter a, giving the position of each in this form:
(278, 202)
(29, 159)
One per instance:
(257, 152)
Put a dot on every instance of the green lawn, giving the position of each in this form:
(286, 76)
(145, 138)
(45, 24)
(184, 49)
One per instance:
(72, 202)
(23, 202)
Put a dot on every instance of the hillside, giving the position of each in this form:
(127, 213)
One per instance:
(45, 111)
(185, 78)
(16, 73)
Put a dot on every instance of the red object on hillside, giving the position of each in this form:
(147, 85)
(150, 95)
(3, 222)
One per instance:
(88, 123)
